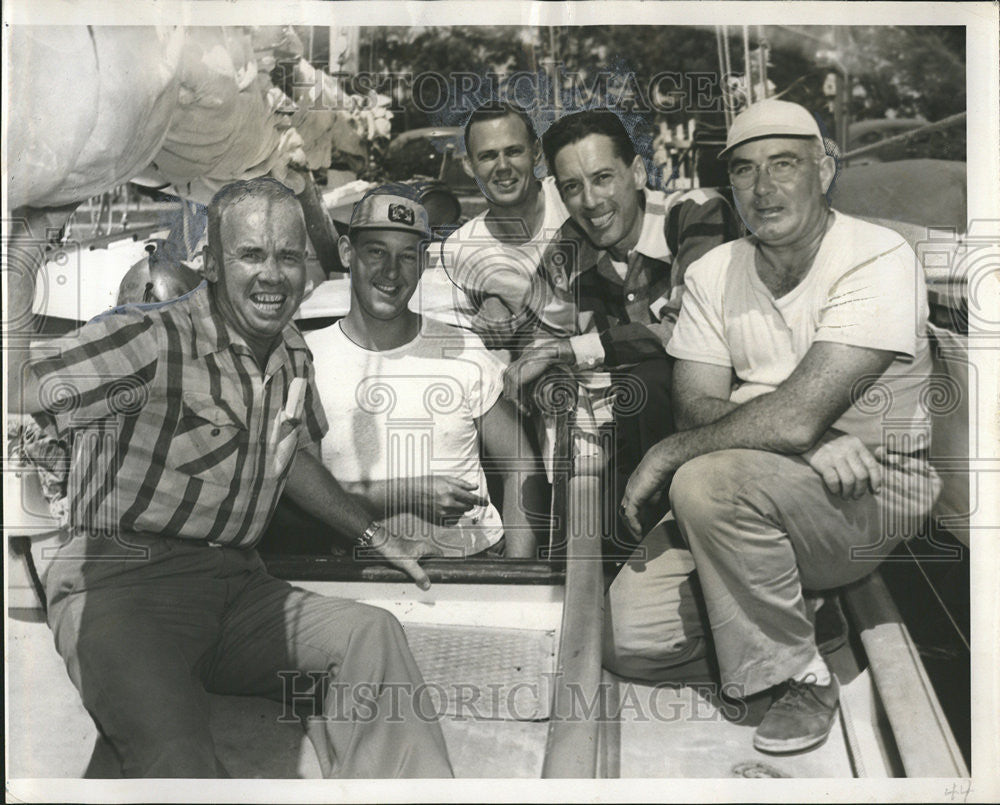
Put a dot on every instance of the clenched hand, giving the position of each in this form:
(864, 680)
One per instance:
(531, 366)
(442, 498)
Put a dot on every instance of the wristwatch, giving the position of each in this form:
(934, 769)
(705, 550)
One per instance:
(367, 539)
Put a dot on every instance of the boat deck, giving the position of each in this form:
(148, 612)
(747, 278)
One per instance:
(490, 677)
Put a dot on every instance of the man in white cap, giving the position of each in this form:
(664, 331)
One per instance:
(417, 400)
(802, 455)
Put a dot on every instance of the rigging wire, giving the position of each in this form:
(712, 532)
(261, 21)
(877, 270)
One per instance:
(722, 75)
(728, 72)
(944, 606)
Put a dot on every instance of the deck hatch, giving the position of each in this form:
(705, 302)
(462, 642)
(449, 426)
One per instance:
(486, 673)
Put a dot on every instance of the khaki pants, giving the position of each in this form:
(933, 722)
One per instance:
(760, 528)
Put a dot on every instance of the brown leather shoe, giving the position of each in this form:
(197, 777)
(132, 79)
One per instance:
(800, 719)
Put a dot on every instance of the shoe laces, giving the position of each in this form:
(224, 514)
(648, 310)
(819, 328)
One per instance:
(795, 690)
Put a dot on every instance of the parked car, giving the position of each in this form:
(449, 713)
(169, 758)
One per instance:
(946, 143)
(434, 153)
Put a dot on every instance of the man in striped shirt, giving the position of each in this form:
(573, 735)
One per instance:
(186, 421)
(619, 264)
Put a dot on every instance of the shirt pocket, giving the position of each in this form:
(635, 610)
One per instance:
(207, 440)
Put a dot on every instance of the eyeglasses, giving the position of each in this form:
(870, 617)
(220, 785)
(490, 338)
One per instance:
(744, 175)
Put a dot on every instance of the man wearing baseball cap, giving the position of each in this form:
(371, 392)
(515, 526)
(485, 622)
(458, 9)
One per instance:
(802, 455)
(416, 400)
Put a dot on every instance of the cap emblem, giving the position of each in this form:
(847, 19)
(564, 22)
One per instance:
(401, 214)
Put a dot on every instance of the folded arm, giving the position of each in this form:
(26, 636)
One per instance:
(700, 393)
(790, 420)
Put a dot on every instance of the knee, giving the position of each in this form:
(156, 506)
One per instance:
(649, 631)
(629, 653)
(370, 621)
(377, 634)
(95, 662)
(693, 486)
(709, 486)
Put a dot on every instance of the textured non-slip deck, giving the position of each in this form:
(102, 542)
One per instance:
(486, 673)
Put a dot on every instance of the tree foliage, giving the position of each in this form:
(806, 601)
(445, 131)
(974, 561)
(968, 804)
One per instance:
(895, 71)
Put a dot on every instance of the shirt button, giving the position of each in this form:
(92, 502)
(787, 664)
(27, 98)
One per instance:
(216, 431)
(631, 297)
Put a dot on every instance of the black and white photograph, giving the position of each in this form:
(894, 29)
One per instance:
(446, 401)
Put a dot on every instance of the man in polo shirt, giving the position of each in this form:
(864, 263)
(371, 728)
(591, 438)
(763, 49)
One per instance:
(619, 263)
(186, 420)
(802, 360)
(494, 257)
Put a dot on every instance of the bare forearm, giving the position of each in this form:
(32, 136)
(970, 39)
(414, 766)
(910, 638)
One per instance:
(702, 411)
(313, 488)
(763, 423)
(788, 419)
(317, 491)
(382, 498)
(758, 424)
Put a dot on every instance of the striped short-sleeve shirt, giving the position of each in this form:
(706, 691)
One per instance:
(171, 421)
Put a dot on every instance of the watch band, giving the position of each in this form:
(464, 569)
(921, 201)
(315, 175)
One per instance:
(368, 537)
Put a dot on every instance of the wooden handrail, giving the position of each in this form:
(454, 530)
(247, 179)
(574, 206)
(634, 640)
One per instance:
(579, 704)
(925, 742)
(556, 395)
(578, 697)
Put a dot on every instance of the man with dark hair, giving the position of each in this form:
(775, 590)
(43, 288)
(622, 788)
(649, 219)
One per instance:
(578, 126)
(423, 399)
(618, 264)
(785, 476)
(186, 421)
(494, 258)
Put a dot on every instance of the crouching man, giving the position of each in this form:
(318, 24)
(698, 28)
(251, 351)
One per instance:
(186, 420)
(802, 455)
(617, 265)
(418, 399)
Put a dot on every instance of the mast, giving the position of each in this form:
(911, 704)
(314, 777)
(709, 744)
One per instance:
(762, 58)
(747, 73)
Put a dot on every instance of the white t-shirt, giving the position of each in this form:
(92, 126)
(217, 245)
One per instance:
(481, 264)
(865, 288)
(410, 412)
